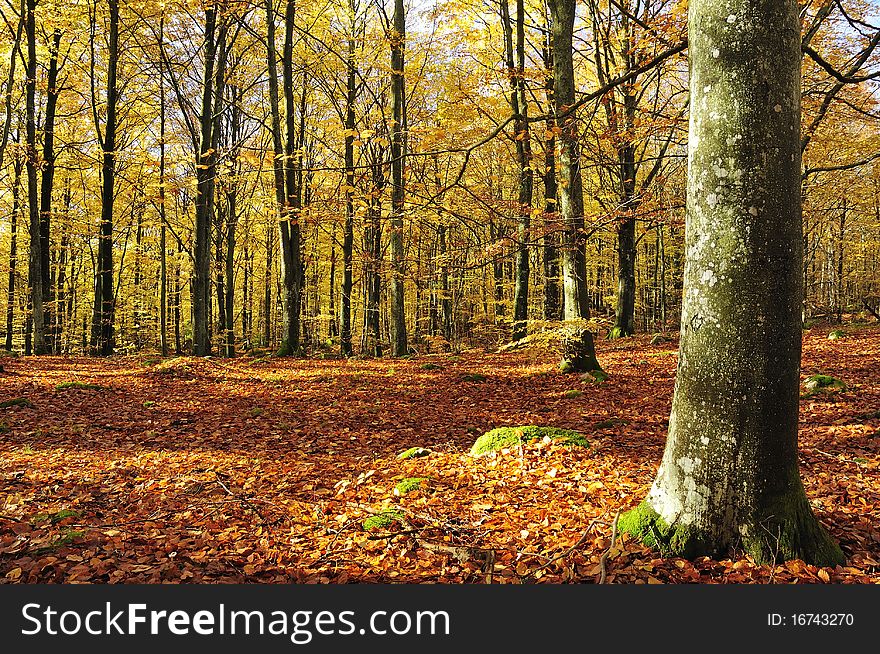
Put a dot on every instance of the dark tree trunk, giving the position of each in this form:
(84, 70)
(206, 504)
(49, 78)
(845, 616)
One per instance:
(13, 252)
(47, 182)
(729, 476)
(104, 305)
(163, 245)
(35, 338)
(552, 303)
(348, 233)
(204, 201)
(398, 190)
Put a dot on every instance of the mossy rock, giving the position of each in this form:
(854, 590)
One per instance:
(382, 520)
(572, 394)
(595, 376)
(431, 366)
(502, 437)
(411, 484)
(16, 401)
(836, 335)
(78, 385)
(824, 384)
(658, 339)
(473, 377)
(414, 453)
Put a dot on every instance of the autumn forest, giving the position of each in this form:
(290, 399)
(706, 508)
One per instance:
(458, 291)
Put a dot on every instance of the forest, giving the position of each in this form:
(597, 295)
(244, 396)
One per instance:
(458, 291)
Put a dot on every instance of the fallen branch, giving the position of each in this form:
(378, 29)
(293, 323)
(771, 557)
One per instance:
(604, 558)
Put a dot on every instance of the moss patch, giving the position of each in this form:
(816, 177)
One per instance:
(411, 484)
(646, 525)
(473, 377)
(414, 453)
(824, 384)
(836, 335)
(78, 385)
(56, 517)
(573, 393)
(382, 520)
(431, 366)
(16, 401)
(502, 437)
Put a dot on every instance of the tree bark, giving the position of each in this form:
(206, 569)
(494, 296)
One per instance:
(348, 230)
(729, 476)
(204, 202)
(398, 190)
(36, 332)
(571, 193)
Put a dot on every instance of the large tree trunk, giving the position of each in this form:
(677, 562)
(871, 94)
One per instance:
(571, 193)
(729, 475)
(398, 190)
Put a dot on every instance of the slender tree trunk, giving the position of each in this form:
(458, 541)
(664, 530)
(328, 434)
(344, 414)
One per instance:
(348, 234)
(204, 202)
(163, 245)
(36, 332)
(47, 182)
(102, 317)
(13, 252)
(729, 475)
(515, 56)
(552, 304)
(291, 247)
(571, 195)
(398, 181)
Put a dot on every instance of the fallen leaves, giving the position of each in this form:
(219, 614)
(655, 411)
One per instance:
(200, 471)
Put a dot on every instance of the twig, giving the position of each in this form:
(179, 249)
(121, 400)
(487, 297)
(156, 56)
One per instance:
(566, 553)
(604, 558)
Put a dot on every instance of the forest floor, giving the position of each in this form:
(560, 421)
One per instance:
(263, 470)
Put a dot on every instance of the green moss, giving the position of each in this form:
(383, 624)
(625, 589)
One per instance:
(824, 384)
(256, 412)
(502, 437)
(473, 377)
(149, 403)
(608, 424)
(431, 366)
(615, 333)
(78, 385)
(58, 516)
(646, 525)
(411, 484)
(599, 376)
(382, 520)
(414, 453)
(836, 334)
(573, 393)
(285, 350)
(17, 401)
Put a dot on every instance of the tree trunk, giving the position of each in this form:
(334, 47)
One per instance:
(729, 476)
(163, 246)
(552, 304)
(35, 341)
(398, 190)
(571, 194)
(47, 182)
(291, 254)
(13, 252)
(204, 202)
(515, 60)
(348, 233)
(104, 305)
